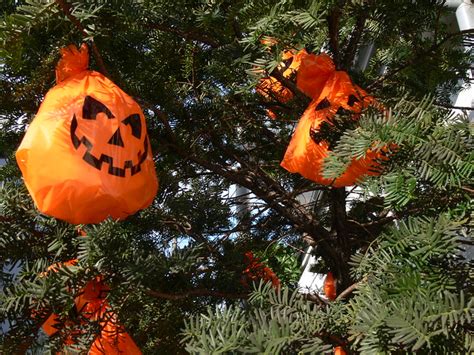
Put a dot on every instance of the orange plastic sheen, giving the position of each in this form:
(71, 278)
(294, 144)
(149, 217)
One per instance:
(330, 90)
(270, 87)
(330, 287)
(86, 156)
(113, 339)
(339, 350)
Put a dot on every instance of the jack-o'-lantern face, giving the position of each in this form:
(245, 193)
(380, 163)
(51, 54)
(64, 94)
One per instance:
(119, 142)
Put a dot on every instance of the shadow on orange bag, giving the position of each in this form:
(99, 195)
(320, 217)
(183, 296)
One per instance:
(86, 156)
(271, 88)
(331, 91)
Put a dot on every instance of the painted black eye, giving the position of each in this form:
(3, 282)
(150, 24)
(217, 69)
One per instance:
(324, 103)
(92, 107)
(352, 100)
(135, 123)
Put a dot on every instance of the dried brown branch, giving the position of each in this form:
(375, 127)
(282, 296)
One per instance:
(66, 8)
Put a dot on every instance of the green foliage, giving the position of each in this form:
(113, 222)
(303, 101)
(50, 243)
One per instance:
(272, 322)
(176, 269)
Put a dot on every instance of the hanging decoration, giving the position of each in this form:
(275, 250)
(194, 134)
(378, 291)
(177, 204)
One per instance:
(256, 270)
(330, 286)
(87, 156)
(270, 87)
(339, 350)
(91, 304)
(332, 92)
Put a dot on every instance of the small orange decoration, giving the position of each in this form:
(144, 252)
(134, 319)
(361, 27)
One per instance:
(330, 286)
(256, 270)
(92, 304)
(86, 156)
(331, 91)
(339, 350)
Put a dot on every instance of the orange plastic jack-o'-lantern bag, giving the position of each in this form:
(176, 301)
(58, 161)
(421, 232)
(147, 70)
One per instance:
(331, 91)
(86, 156)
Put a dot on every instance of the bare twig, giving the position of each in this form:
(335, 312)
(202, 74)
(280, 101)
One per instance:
(333, 27)
(350, 289)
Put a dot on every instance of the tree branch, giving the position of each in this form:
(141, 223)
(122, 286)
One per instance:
(356, 35)
(189, 35)
(195, 293)
(350, 289)
(66, 8)
(333, 27)
(418, 57)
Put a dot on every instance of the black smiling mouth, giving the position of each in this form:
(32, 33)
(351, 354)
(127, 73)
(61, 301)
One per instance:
(91, 108)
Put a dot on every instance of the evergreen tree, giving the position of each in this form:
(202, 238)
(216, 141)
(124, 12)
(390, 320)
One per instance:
(176, 270)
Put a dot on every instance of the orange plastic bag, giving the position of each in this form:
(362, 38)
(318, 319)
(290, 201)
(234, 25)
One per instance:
(330, 286)
(257, 270)
(331, 90)
(91, 303)
(113, 339)
(270, 88)
(86, 156)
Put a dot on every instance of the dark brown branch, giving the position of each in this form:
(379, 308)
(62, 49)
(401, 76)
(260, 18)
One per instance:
(356, 35)
(188, 35)
(350, 289)
(418, 57)
(455, 107)
(333, 27)
(277, 74)
(195, 293)
(66, 8)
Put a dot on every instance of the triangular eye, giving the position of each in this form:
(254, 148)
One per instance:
(324, 103)
(92, 107)
(135, 123)
(352, 100)
(116, 139)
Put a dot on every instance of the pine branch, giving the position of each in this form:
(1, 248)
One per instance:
(419, 56)
(188, 35)
(350, 289)
(195, 293)
(66, 8)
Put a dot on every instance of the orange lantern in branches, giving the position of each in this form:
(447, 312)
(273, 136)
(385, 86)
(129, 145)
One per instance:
(271, 88)
(91, 304)
(339, 350)
(331, 91)
(330, 286)
(86, 156)
(113, 339)
(256, 270)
